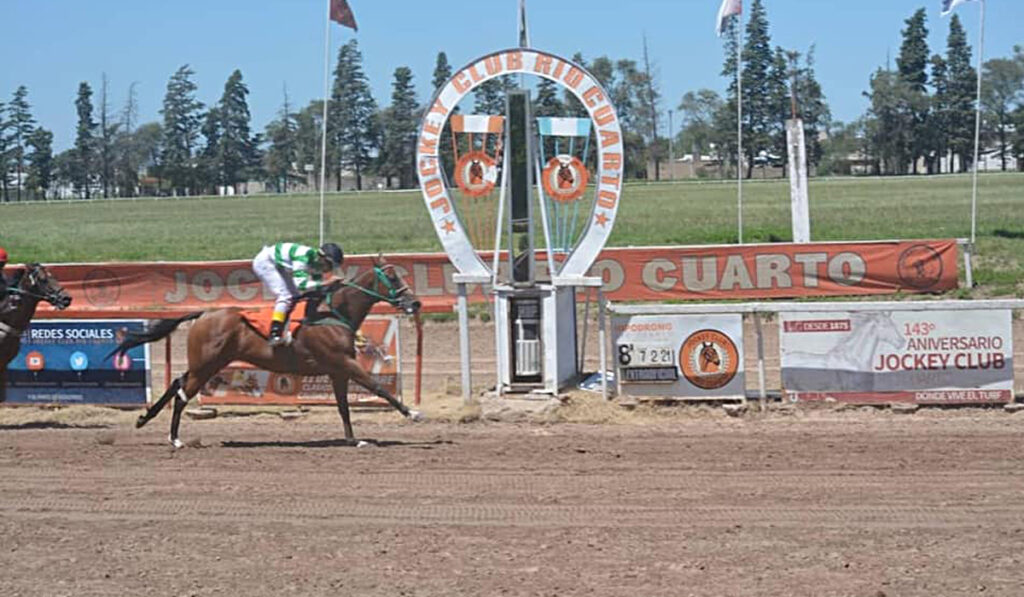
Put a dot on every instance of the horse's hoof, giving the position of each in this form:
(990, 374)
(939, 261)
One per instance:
(416, 416)
(177, 444)
(142, 420)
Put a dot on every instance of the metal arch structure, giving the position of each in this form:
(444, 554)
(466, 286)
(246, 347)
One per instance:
(545, 354)
(610, 159)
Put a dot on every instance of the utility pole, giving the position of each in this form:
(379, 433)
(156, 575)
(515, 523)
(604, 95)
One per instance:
(671, 150)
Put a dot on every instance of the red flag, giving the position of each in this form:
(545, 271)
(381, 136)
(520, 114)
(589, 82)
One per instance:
(342, 14)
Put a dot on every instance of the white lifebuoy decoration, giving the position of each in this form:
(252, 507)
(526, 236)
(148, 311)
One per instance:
(610, 158)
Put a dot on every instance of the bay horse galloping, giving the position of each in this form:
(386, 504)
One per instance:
(33, 284)
(324, 345)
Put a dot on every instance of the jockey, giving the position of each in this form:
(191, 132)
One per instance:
(7, 302)
(288, 270)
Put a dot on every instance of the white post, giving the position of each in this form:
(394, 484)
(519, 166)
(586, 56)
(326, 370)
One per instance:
(968, 266)
(323, 140)
(602, 340)
(671, 149)
(762, 392)
(583, 343)
(739, 126)
(977, 128)
(463, 308)
(800, 212)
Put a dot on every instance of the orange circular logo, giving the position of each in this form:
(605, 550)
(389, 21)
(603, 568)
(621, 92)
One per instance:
(565, 178)
(284, 385)
(35, 361)
(476, 173)
(709, 359)
(920, 266)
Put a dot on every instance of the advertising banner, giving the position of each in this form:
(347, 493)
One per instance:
(683, 356)
(926, 357)
(733, 272)
(379, 355)
(65, 362)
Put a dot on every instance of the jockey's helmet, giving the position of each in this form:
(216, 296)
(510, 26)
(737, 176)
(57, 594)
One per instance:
(333, 253)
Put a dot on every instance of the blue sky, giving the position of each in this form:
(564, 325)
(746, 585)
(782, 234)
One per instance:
(52, 45)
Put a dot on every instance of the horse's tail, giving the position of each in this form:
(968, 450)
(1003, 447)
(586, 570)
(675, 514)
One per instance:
(161, 329)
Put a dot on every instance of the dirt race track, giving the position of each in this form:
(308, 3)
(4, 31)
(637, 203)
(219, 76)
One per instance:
(684, 502)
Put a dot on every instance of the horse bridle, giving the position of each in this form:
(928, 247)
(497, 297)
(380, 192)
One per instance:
(394, 293)
(52, 296)
(393, 296)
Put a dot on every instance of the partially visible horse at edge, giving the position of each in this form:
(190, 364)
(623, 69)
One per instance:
(323, 345)
(34, 284)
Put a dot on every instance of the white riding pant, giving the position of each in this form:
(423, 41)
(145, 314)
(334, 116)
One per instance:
(277, 280)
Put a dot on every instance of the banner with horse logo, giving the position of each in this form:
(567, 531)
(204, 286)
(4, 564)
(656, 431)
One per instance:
(378, 351)
(926, 357)
(679, 356)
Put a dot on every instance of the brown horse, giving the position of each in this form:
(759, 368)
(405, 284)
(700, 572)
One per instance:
(34, 284)
(323, 346)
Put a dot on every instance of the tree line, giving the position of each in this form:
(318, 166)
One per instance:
(920, 120)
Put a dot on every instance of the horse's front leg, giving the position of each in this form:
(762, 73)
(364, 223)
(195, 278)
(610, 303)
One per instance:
(341, 396)
(354, 371)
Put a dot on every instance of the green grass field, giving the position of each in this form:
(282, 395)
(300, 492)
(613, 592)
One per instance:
(655, 214)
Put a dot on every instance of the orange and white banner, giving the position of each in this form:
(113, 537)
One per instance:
(927, 357)
(630, 274)
(477, 123)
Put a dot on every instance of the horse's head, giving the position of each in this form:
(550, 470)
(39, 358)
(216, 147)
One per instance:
(389, 286)
(709, 356)
(881, 325)
(37, 282)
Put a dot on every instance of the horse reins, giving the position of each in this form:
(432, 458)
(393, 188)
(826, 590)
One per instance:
(379, 277)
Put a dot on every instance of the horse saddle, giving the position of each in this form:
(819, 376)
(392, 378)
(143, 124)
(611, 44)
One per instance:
(260, 320)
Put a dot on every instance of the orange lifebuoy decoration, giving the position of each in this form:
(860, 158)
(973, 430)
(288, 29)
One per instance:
(476, 173)
(565, 178)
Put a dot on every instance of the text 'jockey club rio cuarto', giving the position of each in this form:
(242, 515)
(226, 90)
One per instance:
(598, 104)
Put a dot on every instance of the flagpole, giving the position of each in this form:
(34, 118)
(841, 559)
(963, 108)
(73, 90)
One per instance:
(977, 127)
(739, 126)
(323, 139)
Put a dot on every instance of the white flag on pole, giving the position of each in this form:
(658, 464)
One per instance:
(949, 5)
(735, 7)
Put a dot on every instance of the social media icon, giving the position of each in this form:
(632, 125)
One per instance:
(35, 361)
(79, 361)
(122, 362)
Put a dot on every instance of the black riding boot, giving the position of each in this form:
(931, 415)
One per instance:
(276, 333)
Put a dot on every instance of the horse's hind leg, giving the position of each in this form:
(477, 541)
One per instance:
(154, 410)
(191, 386)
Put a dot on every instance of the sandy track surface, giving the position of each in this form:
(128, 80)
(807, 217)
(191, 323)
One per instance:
(821, 503)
